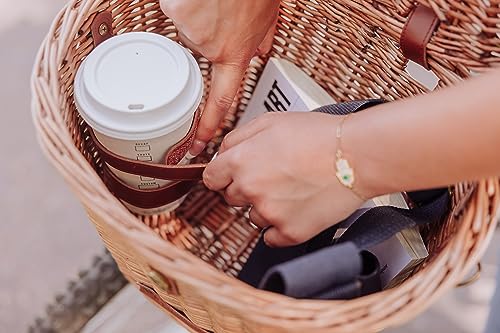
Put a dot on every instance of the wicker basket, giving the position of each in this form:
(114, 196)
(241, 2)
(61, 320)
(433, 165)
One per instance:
(186, 261)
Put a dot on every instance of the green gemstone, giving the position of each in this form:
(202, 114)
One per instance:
(347, 177)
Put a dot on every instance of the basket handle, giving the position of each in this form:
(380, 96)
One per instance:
(473, 278)
(417, 32)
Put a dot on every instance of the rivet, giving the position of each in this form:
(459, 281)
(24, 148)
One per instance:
(103, 29)
(159, 280)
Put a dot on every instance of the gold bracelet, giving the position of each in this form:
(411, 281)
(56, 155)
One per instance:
(344, 171)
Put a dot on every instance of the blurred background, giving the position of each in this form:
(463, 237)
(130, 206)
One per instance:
(45, 238)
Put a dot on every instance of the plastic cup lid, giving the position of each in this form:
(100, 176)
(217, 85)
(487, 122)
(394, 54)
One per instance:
(137, 86)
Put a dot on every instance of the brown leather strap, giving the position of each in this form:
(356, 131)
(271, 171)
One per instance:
(158, 171)
(178, 151)
(417, 32)
(178, 316)
(102, 27)
(146, 199)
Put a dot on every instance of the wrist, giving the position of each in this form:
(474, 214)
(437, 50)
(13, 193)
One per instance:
(358, 145)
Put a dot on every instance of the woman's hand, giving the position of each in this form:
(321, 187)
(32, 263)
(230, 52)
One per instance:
(283, 164)
(228, 33)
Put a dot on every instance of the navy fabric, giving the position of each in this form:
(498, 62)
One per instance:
(381, 223)
(301, 277)
(342, 109)
(264, 258)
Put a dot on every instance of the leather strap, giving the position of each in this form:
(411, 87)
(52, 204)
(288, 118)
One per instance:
(146, 199)
(342, 109)
(185, 176)
(102, 27)
(417, 32)
(181, 318)
(158, 171)
(178, 151)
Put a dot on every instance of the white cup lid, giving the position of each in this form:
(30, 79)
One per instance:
(138, 86)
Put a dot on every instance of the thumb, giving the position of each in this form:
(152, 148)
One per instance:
(188, 43)
(274, 238)
(268, 41)
(226, 79)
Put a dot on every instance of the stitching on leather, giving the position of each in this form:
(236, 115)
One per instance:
(404, 46)
(155, 297)
(177, 152)
(407, 45)
(426, 40)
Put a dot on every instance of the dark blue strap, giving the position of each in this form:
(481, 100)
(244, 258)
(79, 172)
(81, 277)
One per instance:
(301, 277)
(342, 109)
(381, 223)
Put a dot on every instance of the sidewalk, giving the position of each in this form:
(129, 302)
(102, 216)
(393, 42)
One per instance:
(44, 235)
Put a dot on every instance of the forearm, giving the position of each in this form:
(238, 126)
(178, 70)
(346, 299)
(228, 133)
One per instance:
(428, 141)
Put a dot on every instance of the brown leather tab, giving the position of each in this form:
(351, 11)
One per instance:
(158, 171)
(181, 318)
(102, 27)
(417, 32)
(146, 199)
(178, 151)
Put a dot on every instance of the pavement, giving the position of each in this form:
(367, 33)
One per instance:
(45, 237)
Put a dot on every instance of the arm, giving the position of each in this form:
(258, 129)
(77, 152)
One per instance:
(285, 169)
(429, 141)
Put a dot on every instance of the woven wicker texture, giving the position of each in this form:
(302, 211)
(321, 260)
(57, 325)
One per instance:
(190, 257)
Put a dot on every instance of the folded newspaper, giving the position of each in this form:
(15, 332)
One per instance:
(284, 87)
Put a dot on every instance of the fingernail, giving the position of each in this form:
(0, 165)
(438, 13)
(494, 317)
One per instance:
(189, 156)
(263, 235)
(197, 148)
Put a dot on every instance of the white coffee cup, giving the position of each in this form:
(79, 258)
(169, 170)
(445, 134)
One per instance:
(139, 92)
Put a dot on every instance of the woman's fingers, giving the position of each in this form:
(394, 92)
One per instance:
(257, 219)
(242, 134)
(226, 80)
(219, 173)
(187, 42)
(235, 197)
(274, 238)
(268, 41)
